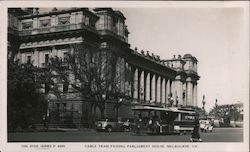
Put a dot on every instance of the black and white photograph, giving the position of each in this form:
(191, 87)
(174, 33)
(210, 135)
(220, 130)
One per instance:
(130, 76)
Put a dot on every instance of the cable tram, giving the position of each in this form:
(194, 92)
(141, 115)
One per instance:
(151, 119)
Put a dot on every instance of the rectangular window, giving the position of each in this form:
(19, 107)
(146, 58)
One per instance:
(65, 87)
(114, 22)
(92, 60)
(29, 59)
(65, 56)
(46, 58)
(64, 106)
(46, 88)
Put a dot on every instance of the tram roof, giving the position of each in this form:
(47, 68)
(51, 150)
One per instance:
(150, 108)
(154, 108)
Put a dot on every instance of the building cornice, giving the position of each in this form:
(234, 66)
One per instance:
(57, 12)
(150, 65)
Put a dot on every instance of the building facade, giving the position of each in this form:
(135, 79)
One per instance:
(36, 37)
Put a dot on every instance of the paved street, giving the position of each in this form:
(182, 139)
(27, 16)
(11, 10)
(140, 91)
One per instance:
(218, 135)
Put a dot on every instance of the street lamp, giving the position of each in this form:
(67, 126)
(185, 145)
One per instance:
(141, 93)
(183, 96)
(203, 103)
(170, 99)
(118, 105)
(103, 96)
(216, 108)
(177, 101)
(47, 108)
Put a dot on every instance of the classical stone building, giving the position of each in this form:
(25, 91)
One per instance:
(35, 37)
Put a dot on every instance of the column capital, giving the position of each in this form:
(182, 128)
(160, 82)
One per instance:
(178, 77)
(188, 79)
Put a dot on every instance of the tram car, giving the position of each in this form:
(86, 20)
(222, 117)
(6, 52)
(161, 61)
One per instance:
(155, 120)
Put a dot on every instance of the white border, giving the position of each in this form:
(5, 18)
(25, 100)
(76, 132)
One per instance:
(221, 146)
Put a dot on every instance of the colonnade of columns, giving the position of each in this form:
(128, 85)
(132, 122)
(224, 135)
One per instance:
(150, 87)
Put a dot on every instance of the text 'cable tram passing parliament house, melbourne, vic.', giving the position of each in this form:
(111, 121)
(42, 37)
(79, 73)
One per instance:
(143, 78)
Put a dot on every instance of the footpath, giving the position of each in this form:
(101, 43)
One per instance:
(70, 130)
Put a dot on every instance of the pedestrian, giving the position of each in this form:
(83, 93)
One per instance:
(45, 122)
(196, 133)
(139, 123)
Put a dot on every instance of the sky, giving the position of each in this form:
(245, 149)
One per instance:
(215, 36)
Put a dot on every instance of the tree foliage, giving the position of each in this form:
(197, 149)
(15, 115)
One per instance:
(227, 112)
(54, 74)
(96, 75)
(25, 104)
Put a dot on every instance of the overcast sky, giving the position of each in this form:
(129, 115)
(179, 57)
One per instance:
(215, 36)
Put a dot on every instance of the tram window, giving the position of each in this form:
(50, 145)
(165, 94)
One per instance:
(187, 117)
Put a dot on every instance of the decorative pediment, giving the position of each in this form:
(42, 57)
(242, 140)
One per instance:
(27, 25)
(64, 20)
(45, 22)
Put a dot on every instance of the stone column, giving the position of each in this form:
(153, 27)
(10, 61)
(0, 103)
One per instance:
(172, 90)
(189, 91)
(18, 56)
(166, 92)
(153, 88)
(168, 88)
(184, 99)
(36, 57)
(118, 73)
(53, 20)
(141, 86)
(54, 51)
(73, 18)
(35, 23)
(147, 92)
(171, 86)
(126, 74)
(22, 58)
(135, 84)
(178, 89)
(40, 58)
(130, 81)
(195, 94)
(122, 74)
(158, 89)
(163, 91)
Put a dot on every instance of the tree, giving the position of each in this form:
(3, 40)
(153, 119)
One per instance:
(25, 105)
(53, 77)
(96, 75)
(226, 112)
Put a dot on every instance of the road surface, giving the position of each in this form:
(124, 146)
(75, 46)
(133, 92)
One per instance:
(218, 135)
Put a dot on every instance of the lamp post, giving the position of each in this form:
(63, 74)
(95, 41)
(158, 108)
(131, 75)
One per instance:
(46, 116)
(47, 113)
(103, 96)
(170, 99)
(216, 108)
(183, 97)
(177, 101)
(203, 103)
(117, 106)
(141, 94)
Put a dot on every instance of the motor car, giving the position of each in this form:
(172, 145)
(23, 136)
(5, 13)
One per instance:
(127, 124)
(206, 125)
(108, 124)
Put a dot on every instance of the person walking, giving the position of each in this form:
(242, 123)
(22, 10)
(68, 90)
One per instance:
(196, 134)
(139, 124)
